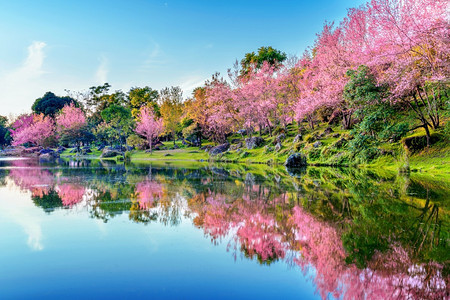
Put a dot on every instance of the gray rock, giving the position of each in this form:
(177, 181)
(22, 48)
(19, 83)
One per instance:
(278, 147)
(317, 144)
(254, 142)
(219, 149)
(49, 156)
(110, 153)
(281, 137)
(296, 160)
(268, 149)
(242, 132)
(236, 146)
(328, 130)
(336, 135)
(339, 143)
(298, 138)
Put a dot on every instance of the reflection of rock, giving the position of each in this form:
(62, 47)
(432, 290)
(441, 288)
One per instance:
(254, 142)
(249, 179)
(219, 149)
(296, 160)
(296, 172)
(220, 171)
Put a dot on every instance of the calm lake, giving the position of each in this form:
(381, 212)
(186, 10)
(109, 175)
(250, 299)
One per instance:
(92, 229)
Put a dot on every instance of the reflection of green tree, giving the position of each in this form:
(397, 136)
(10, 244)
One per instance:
(48, 201)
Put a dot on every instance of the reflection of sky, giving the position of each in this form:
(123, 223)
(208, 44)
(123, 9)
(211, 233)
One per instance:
(84, 256)
(20, 212)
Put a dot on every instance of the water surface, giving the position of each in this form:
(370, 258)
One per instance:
(91, 229)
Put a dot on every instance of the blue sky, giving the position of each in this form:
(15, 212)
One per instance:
(58, 45)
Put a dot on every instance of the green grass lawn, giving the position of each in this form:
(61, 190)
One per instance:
(433, 160)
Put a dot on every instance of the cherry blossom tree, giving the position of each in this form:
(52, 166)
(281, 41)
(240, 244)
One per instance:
(148, 125)
(34, 129)
(71, 124)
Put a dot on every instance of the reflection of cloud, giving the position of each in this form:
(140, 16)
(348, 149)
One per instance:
(22, 212)
(101, 75)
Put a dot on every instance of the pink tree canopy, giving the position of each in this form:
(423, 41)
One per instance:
(149, 125)
(34, 129)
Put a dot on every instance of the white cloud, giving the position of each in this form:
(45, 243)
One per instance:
(21, 83)
(101, 75)
(189, 84)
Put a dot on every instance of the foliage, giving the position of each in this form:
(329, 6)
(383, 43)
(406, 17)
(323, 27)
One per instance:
(118, 122)
(140, 97)
(50, 104)
(171, 109)
(5, 138)
(34, 129)
(252, 60)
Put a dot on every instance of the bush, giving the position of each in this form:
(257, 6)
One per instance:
(136, 141)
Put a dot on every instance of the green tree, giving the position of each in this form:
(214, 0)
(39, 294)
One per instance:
(171, 109)
(119, 119)
(143, 96)
(50, 104)
(265, 54)
(5, 137)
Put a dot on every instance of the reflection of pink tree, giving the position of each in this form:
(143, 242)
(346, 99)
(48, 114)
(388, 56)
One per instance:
(257, 231)
(70, 194)
(259, 235)
(37, 181)
(147, 191)
(391, 275)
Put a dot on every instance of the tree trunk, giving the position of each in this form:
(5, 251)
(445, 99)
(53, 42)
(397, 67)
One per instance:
(151, 144)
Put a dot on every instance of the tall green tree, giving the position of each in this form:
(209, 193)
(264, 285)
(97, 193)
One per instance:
(50, 104)
(140, 97)
(119, 120)
(171, 109)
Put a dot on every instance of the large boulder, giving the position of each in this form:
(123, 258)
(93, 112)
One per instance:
(254, 142)
(219, 149)
(296, 160)
(110, 153)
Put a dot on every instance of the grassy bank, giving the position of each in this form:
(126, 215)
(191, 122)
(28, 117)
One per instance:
(322, 146)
